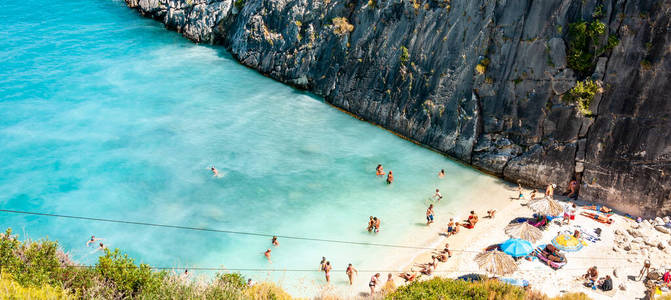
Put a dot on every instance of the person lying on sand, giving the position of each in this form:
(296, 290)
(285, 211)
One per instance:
(490, 213)
(408, 276)
(597, 217)
(441, 257)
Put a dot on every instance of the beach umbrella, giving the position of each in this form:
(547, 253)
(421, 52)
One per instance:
(567, 242)
(546, 206)
(524, 231)
(517, 247)
(496, 262)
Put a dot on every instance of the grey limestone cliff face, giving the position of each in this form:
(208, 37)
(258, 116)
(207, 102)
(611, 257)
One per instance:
(482, 81)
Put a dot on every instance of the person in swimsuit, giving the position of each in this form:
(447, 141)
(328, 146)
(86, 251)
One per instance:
(101, 247)
(472, 220)
(520, 195)
(491, 213)
(322, 264)
(373, 282)
(429, 215)
(441, 174)
(379, 171)
(214, 171)
(267, 254)
(450, 227)
(447, 250)
(437, 196)
(350, 273)
(275, 242)
(371, 223)
(550, 190)
(93, 240)
(533, 194)
(327, 271)
(390, 177)
(377, 224)
(571, 192)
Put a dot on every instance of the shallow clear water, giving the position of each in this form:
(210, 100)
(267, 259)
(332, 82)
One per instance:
(106, 114)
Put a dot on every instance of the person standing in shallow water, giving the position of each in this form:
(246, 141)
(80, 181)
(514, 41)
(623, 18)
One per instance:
(390, 177)
(429, 215)
(327, 271)
(350, 273)
(275, 242)
(267, 255)
(437, 196)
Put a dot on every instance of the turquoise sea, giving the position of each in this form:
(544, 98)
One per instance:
(104, 113)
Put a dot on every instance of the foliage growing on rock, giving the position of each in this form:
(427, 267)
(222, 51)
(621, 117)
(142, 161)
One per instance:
(405, 56)
(587, 41)
(583, 94)
(341, 26)
(239, 4)
(481, 68)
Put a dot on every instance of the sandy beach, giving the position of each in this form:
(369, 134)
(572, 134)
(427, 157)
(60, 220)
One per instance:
(620, 252)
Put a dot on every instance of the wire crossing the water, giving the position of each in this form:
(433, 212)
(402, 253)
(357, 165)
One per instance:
(258, 234)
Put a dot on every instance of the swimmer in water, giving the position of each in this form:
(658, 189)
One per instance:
(441, 174)
(390, 177)
(93, 240)
(437, 196)
(275, 242)
(267, 254)
(101, 247)
(379, 171)
(214, 171)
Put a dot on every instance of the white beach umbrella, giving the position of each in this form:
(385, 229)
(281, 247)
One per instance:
(524, 231)
(546, 206)
(496, 262)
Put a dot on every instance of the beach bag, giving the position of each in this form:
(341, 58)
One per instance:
(607, 285)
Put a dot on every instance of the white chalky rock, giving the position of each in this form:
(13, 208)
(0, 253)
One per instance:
(637, 240)
(619, 232)
(650, 243)
(645, 222)
(659, 221)
(615, 249)
(662, 229)
(666, 219)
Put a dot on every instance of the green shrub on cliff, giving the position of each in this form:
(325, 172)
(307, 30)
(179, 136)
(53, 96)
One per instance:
(587, 41)
(583, 94)
(341, 26)
(405, 56)
(239, 4)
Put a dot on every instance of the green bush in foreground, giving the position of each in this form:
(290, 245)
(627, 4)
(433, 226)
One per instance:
(440, 288)
(40, 269)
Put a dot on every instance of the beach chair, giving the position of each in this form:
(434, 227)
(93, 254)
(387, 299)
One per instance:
(538, 252)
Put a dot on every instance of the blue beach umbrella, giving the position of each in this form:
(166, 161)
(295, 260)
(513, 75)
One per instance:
(516, 247)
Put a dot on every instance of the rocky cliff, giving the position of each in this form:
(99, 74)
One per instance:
(536, 91)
